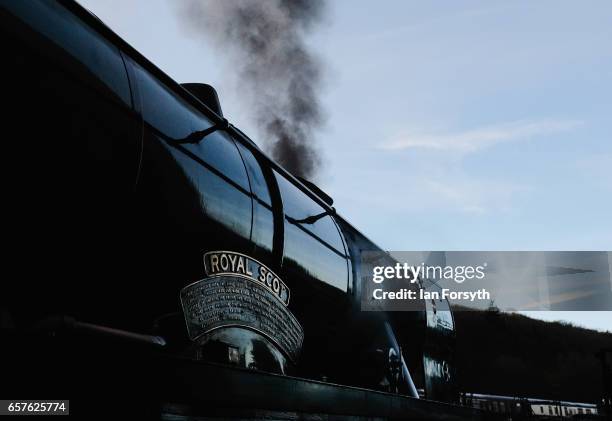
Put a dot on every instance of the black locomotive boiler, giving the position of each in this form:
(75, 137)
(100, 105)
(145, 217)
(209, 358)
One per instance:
(136, 214)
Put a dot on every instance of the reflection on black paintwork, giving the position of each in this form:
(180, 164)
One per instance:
(218, 196)
(256, 177)
(307, 252)
(263, 216)
(98, 55)
(242, 347)
(166, 111)
(312, 240)
(213, 166)
(300, 210)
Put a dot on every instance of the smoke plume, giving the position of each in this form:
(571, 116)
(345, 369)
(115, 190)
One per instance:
(276, 73)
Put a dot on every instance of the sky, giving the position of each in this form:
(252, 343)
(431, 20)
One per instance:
(472, 125)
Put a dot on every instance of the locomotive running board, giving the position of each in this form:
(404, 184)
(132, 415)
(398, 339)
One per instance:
(205, 389)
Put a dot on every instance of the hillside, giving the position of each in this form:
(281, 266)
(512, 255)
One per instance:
(510, 354)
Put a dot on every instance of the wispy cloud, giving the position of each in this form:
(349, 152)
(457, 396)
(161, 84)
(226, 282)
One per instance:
(470, 195)
(447, 191)
(483, 137)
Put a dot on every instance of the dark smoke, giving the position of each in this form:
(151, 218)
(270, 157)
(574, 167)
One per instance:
(276, 73)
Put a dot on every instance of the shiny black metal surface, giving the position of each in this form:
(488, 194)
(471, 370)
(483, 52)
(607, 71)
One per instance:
(113, 212)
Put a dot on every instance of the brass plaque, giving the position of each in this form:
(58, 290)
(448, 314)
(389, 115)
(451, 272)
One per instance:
(230, 300)
(232, 263)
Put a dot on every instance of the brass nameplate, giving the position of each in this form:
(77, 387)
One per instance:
(231, 263)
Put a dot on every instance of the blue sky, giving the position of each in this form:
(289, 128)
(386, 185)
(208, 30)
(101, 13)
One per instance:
(473, 125)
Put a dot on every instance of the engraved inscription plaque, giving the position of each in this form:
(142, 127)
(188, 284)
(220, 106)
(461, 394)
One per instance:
(229, 300)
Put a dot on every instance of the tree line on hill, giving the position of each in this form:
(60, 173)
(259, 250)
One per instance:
(511, 354)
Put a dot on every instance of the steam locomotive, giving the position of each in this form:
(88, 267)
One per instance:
(138, 217)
